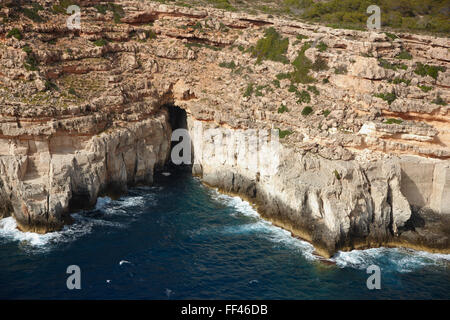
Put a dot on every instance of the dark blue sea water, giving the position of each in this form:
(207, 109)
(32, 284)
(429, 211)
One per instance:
(181, 240)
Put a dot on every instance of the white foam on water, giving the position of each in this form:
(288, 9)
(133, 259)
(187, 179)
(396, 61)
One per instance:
(135, 201)
(241, 206)
(273, 233)
(257, 227)
(43, 242)
(102, 202)
(399, 259)
(395, 259)
(82, 226)
(9, 231)
(117, 207)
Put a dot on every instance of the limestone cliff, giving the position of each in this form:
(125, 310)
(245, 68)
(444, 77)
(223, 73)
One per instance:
(363, 117)
(334, 204)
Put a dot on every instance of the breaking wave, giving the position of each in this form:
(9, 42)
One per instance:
(278, 236)
(104, 215)
(393, 259)
(9, 231)
(118, 214)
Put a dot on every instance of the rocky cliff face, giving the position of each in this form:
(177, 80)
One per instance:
(43, 177)
(334, 204)
(363, 118)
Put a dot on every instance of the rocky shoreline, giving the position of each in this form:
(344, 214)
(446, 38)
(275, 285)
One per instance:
(362, 117)
(362, 208)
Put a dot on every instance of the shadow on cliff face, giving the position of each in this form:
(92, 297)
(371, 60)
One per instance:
(412, 191)
(426, 228)
(5, 204)
(83, 199)
(177, 117)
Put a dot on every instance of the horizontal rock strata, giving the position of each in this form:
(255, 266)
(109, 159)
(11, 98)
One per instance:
(364, 141)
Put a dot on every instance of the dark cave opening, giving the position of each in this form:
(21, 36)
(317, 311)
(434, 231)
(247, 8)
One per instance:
(177, 117)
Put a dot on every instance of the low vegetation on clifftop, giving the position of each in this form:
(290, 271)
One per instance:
(407, 15)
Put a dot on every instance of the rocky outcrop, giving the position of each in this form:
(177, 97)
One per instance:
(365, 149)
(45, 178)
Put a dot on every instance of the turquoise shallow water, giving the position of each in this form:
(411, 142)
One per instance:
(181, 240)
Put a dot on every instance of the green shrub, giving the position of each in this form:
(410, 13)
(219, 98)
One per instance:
(307, 111)
(33, 13)
(304, 97)
(26, 48)
(151, 34)
(228, 65)
(439, 101)
(404, 55)
(320, 64)
(30, 64)
(337, 175)
(271, 47)
(292, 88)
(284, 133)
(424, 70)
(326, 113)
(101, 8)
(50, 86)
(117, 10)
(276, 83)
(249, 91)
(314, 90)
(258, 91)
(62, 6)
(100, 42)
(301, 37)
(222, 4)
(400, 80)
(425, 88)
(322, 47)
(302, 65)
(389, 97)
(393, 121)
(72, 91)
(283, 109)
(282, 76)
(297, 4)
(391, 35)
(190, 45)
(14, 32)
(223, 27)
(392, 66)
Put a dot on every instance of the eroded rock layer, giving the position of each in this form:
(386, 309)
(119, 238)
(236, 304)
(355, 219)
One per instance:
(363, 117)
